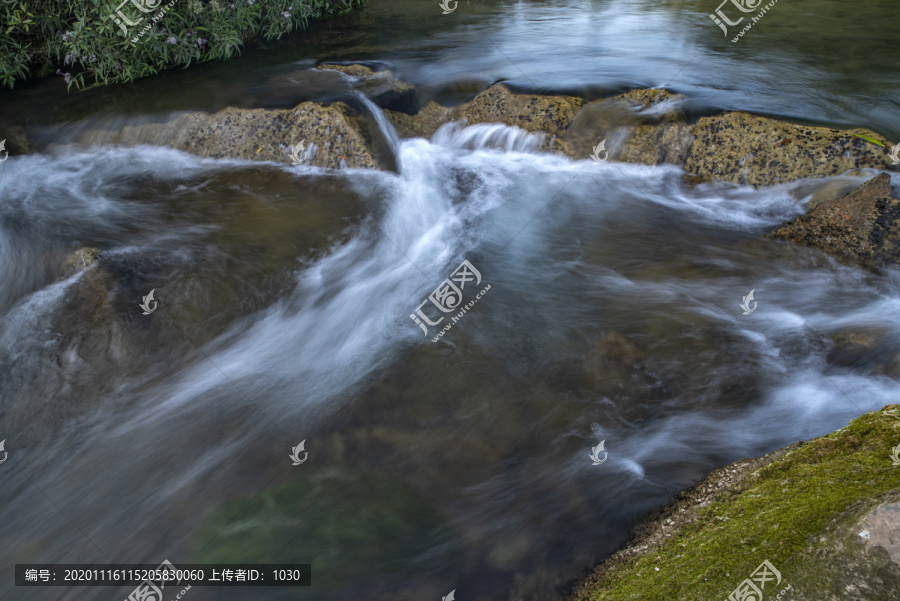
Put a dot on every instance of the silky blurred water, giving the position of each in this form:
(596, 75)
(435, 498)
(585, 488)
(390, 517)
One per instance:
(285, 294)
(819, 60)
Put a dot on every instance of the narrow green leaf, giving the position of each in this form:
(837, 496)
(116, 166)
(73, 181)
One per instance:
(868, 139)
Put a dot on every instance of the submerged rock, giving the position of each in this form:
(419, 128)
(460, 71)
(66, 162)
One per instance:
(822, 513)
(78, 260)
(640, 126)
(381, 87)
(17, 140)
(870, 350)
(759, 151)
(287, 90)
(863, 226)
(318, 515)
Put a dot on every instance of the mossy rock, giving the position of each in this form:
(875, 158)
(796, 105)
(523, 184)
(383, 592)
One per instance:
(802, 508)
(338, 522)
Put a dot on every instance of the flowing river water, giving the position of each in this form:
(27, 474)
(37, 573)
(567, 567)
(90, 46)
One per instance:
(285, 296)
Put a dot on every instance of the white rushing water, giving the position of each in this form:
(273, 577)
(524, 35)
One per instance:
(558, 240)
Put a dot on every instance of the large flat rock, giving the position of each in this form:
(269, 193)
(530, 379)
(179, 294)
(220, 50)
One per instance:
(759, 151)
(258, 134)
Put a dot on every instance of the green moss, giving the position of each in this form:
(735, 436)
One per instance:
(779, 511)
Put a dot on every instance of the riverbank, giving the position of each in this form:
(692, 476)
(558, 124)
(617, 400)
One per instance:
(822, 512)
(104, 43)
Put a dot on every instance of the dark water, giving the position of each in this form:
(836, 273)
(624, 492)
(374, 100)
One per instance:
(285, 293)
(818, 60)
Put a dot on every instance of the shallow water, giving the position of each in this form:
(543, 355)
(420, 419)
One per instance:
(284, 301)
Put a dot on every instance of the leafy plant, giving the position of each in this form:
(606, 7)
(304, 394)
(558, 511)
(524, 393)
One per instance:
(84, 41)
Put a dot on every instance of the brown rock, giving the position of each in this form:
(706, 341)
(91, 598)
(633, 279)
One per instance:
(17, 140)
(757, 151)
(640, 126)
(863, 226)
(355, 69)
(258, 134)
(78, 260)
(870, 349)
(421, 125)
(614, 359)
(381, 87)
(498, 104)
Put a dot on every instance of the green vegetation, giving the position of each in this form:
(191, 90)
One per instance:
(779, 514)
(80, 42)
(868, 139)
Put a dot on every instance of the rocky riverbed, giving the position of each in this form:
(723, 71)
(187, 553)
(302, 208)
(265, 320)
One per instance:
(801, 508)
(647, 127)
(824, 513)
